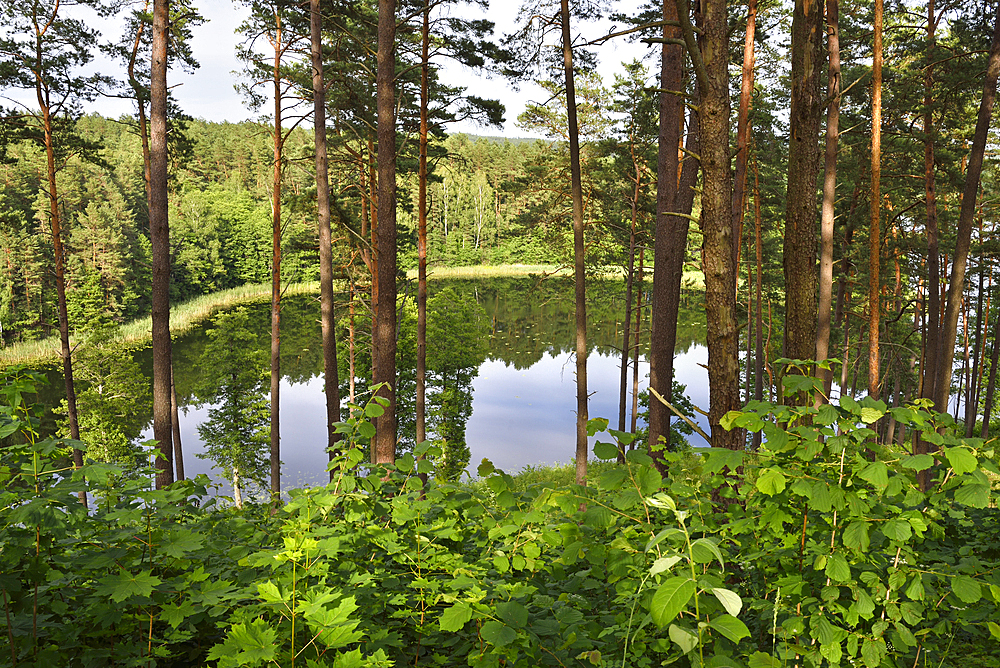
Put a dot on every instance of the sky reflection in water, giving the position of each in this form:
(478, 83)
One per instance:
(520, 416)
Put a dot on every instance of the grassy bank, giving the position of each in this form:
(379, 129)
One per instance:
(182, 318)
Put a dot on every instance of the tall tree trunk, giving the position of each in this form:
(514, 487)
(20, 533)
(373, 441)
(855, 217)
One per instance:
(175, 424)
(875, 233)
(579, 269)
(60, 270)
(422, 229)
(668, 254)
(276, 268)
(971, 392)
(932, 333)
(803, 168)
(629, 283)
(710, 57)
(991, 384)
(825, 296)
(384, 332)
(758, 353)
(638, 339)
(159, 237)
(743, 131)
(328, 321)
(963, 235)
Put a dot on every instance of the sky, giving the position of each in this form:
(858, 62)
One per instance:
(208, 93)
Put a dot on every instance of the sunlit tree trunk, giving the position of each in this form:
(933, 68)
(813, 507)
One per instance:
(671, 231)
(276, 265)
(422, 227)
(875, 232)
(579, 270)
(743, 129)
(710, 56)
(159, 236)
(384, 255)
(807, 105)
(932, 332)
(825, 296)
(331, 380)
(175, 423)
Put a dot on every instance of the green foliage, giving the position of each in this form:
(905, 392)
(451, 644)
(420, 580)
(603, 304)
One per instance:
(817, 555)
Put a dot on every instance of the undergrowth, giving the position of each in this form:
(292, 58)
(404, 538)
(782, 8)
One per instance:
(817, 550)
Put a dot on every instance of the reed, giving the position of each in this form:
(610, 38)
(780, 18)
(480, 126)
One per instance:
(182, 318)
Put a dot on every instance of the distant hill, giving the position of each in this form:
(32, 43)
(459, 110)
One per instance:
(499, 140)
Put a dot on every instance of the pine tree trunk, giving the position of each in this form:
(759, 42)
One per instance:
(711, 68)
(276, 271)
(175, 424)
(579, 269)
(638, 339)
(328, 320)
(875, 232)
(807, 105)
(668, 254)
(932, 332)
(991, 384)
(971, 392)
(384, 256)
(743, 130)
(758, 355)
(159, 236)
(825, 295)
(422, 230)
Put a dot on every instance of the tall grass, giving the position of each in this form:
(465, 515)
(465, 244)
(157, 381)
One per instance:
(182, 318)
(493, 271)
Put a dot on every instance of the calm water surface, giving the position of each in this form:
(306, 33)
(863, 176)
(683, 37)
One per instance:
(523, 392)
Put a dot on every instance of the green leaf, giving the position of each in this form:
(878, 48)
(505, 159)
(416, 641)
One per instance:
(994, 629)
(513, 614)
(251, 644)
(123, 585)
(962, 460)
(605, 450)
(870, 415)
(453, 619)
(761, 660)
(771, 481)
(497, 633)
(876, 473)
(729, 600)
(730, 627)
(837, 568)
(686, 640)
(596, 425)
(916, 462)
(872, 652)
(973, 494)
(703, 549)
(966, 589)
(181, 542)
(856, 536)
(915, 592)
(898, 530)
(663, 564)
(670, 598)
(175, 613)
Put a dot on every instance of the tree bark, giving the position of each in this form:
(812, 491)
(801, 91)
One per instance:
(328, 321)
(710, 56)
(422, 229)
(384, 299)
(159, 236)
(276, 268)
(991, 384)
(807, 105)
(825, 296)
(758, 355)
(963, 233)
(932, 333)
(875, 232)
(668, 254)
(972, 387)
(743, 130)
(175, 424)
(579, 269)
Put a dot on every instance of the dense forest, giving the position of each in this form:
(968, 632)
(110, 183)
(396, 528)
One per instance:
(825, 180)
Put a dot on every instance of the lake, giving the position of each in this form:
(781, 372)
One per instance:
(519, 374)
